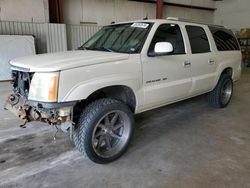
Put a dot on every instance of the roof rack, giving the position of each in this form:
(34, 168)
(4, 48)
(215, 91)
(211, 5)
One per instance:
(191, 21)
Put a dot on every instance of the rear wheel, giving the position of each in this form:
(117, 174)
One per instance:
(104, 130)
(221, 95)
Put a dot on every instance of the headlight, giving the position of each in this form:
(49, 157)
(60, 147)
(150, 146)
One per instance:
(44, 87)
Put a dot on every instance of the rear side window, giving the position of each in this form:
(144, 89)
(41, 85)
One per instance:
(224, 39)
(169, 33)
(198, 39)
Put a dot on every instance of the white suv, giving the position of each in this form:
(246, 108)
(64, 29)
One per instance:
(124, 69)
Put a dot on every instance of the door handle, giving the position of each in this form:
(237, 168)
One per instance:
(211, 61)
(187, 64)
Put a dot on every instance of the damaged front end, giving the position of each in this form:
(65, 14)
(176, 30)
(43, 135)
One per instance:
(53, 113)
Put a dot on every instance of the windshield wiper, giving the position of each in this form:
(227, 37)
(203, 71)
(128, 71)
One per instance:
(82, 48)
(102, 48)
(106, 49)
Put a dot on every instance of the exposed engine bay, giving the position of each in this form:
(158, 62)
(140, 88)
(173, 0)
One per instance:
(28, 111)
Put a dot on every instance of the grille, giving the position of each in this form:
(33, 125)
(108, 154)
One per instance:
(21, 82)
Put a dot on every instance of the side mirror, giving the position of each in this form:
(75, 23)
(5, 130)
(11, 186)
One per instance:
(163, 48)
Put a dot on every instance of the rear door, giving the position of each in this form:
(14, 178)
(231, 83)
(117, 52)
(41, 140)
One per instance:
(202, 59)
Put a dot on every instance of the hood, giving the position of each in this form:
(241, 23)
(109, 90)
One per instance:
(65, 60)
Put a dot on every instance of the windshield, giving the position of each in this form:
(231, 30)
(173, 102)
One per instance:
(123, 38)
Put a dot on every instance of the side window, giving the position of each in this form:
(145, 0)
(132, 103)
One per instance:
(169, 33)
(224, 39)
(198, 39)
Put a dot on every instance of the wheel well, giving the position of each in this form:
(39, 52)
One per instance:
(121, 93)
(228, 71)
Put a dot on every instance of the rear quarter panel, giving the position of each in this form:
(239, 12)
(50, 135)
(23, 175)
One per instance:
(228, 59)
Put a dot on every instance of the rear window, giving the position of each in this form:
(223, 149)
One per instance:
(224, 39)
(198, 39)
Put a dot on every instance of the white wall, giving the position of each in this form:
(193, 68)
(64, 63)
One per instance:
(201, 3)
(24, 10)
(105, 11)
(202, 16)
(100, 11)
(234, 14)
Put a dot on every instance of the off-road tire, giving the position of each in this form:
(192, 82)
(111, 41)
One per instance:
(89, 118)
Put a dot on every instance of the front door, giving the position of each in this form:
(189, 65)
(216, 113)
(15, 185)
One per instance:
(166, 78)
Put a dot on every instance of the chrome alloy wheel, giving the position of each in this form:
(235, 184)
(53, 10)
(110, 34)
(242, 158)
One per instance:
(111, 134)
(226, 91)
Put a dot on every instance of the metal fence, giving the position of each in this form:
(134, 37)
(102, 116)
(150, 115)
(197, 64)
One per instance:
(51, 37)
(56, 37)
(48, 37)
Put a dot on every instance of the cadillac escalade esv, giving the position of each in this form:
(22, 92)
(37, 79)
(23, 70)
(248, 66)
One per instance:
(124, 69)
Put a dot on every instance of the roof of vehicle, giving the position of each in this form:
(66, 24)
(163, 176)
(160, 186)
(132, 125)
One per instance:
(170, 20)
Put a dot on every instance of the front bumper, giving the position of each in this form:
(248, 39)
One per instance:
(28, 111)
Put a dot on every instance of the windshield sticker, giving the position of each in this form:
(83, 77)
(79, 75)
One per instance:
(140, 25)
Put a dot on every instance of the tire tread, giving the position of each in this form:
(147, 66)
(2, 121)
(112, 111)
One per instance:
(214, 96)
(84, 126)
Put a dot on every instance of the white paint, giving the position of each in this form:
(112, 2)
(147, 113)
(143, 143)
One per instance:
(234, 14)
(24, 10)
(155, 81)
(106, 11)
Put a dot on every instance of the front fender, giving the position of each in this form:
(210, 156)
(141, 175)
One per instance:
(84, 89)
(79, 83)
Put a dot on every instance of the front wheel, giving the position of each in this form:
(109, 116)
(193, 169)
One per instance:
(221, 95)
(104, 130)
